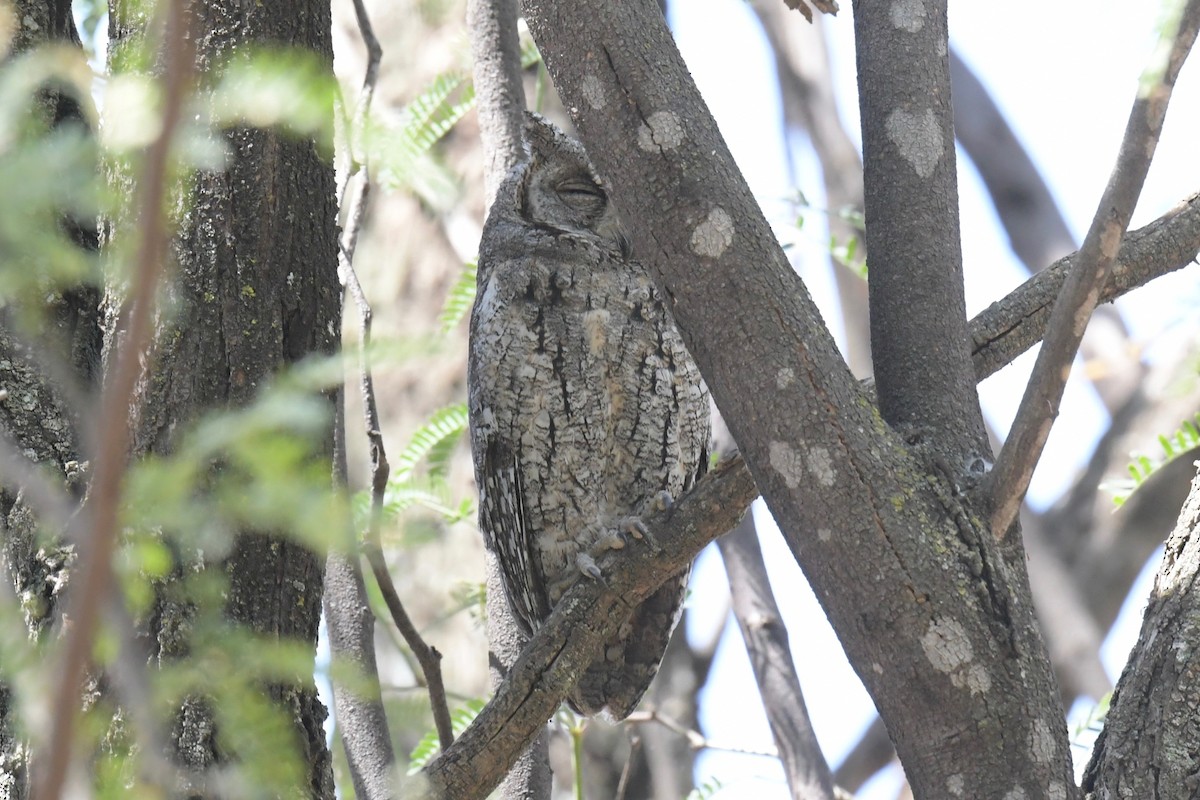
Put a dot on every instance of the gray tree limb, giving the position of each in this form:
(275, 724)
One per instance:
(1150, 737)
(1012, 325)
(918, 309)
(495, 49)
(1080, 293)
(766, 639)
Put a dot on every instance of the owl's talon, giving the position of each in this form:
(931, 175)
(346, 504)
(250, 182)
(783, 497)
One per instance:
(660, 501)
(587, 565)
(614, 540)
(638, 530)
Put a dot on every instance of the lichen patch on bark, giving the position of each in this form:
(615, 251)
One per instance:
(918, 139)
(712, 236)
(662, 130)
(908, 15)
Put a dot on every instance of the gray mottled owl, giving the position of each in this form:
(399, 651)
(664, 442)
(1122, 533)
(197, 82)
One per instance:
(586, 409)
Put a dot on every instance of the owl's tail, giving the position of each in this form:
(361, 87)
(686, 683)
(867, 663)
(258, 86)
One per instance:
(615, 682)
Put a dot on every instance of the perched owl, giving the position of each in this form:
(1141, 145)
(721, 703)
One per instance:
(586, 409)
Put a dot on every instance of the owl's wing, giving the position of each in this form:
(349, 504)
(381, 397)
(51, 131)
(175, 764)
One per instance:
(504, 519)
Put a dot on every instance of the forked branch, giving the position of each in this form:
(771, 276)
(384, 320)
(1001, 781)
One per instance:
(1081, 292)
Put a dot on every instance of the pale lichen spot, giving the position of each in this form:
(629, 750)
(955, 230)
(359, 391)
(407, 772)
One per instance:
(1110, 240)
(1041, 742)
(1057, 790)
(785, 377)
(976, 679)
(918, 139)
(714, 234)
(877, 668)
(592, 89)
(1016, 793)
(949, 650)
(908, 15)
(595, 322)
(786, 461)
(956, 785)
(821, 466)
(824, 534)
(662, 130)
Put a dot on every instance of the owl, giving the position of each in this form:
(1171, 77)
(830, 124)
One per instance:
(586, 410)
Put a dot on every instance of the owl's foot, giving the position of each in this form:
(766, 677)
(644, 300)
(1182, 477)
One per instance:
(587, 565)
(660, 501)
(636, 527)
(633, 526)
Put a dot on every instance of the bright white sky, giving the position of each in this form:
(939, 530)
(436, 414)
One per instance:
(1065, 78)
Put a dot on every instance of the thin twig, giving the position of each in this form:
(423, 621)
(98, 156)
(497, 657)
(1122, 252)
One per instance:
(635, 742)
(766, 640)
(1039, 406)
(695, 739)
(115, 418)
(428, 657)
(1016, 322)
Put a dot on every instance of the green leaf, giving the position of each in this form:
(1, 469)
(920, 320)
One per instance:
(1180, 442)
(428, 747)
(403, 151)
(706, 790)
(432, 443)
(460, 299)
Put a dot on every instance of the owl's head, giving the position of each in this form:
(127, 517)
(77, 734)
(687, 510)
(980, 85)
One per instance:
(560, 189)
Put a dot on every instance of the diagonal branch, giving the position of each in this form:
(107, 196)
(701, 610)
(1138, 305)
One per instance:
(766, 638)
(586, 616)
(1012, 325)
(1081, 292)
(362, 721)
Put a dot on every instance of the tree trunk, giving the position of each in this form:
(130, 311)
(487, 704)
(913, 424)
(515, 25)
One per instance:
(36, 414)
(253, 288)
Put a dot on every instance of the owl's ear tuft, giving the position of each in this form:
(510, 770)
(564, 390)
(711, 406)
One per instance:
(542, 136)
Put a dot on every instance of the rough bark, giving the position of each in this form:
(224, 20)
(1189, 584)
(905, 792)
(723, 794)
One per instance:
(46, 366)
(255, 289)
(1151, 738)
